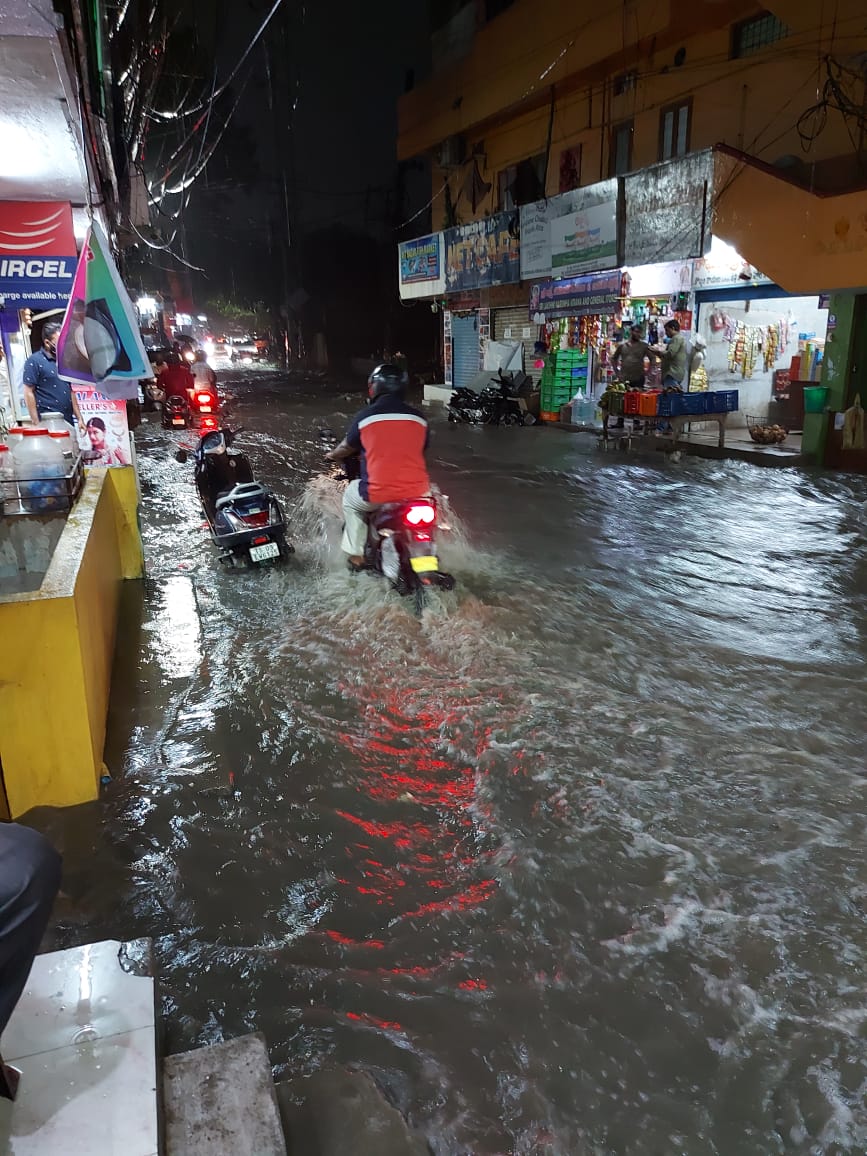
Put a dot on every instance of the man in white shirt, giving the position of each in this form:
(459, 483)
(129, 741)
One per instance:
(202, 372)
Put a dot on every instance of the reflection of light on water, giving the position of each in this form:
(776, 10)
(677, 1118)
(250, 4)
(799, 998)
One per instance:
(176, 630)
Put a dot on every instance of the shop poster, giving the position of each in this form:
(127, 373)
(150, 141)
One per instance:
(100, 343)
(537, 219)
(483, 253)
(420, 267)
(584, 240)
(105, 441)
(577, 296)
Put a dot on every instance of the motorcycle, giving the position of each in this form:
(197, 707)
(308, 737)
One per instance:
(401, 543)
(245, 519)
(501, 402)
(176, 412)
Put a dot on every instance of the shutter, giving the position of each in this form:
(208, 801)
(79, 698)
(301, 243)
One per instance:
(517, 320)
(465, 348)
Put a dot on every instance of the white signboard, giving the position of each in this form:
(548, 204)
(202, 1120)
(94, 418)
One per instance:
(536, 219)
(663, 280)
(725, 268)
(584, 241)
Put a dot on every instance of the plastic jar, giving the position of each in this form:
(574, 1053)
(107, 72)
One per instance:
(8, 488)
(68, 446)
(55, 421)
(38, 459)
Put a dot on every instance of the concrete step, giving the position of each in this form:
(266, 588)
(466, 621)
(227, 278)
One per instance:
(220, 1101)
(83, 1038)
(343, 1113)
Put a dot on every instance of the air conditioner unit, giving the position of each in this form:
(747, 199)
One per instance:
(452, 152)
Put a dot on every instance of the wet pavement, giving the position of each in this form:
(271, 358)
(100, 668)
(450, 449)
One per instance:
(573, 865)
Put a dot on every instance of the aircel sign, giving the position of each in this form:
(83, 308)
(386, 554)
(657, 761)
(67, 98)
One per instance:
(37, 253)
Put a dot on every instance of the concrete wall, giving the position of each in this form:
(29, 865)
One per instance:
(58, 646)
(804, 316)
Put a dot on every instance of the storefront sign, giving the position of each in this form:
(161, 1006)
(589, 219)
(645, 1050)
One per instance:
(538, 218)
(664, 280)
(576, 296)
(725, 268)
(37, 253)
(668, 210)
(482, 253)
(420, 267)
(584, 240)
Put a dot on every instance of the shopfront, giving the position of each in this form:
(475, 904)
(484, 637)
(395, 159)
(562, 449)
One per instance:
(767, 344)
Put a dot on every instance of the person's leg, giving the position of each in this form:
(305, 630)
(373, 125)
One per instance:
(355, 523)
(29, 881)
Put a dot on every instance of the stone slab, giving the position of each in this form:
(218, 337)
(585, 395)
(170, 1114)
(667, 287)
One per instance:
(220, 1101)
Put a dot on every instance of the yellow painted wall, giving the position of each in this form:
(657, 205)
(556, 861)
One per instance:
(58, 646)
(751, 104)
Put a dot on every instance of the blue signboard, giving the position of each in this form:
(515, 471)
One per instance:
(577, 296)
(39, 283)
(420, 260)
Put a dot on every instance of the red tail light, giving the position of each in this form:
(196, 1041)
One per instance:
(204, 398)
(420, 514)
(260, 518)
(209, 423)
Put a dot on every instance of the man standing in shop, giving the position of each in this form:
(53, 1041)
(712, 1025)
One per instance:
(673, 356)
(628, 362)
(44, 391)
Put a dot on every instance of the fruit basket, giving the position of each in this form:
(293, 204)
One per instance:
(765, 432)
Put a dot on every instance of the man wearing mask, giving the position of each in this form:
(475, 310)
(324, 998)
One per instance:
(673, 356)
(44, 391)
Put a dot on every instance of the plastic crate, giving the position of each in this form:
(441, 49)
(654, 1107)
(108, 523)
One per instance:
(722, 401)
(615, 403)
(631, 401)
(647, 403)
(682, 404)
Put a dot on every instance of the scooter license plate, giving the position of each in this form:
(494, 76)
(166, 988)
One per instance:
(427, 564)
(205, 409)
(260, 553)
(178, 421)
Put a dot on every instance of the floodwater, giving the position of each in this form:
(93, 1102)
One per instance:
(576, 864)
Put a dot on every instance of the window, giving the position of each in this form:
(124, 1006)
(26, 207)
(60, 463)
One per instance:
(621, 148)
(753, 35)
(674, 126)
(570, 169)
(625, 82)
(522, 183)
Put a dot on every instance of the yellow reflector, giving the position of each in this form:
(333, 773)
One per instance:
(424, 565)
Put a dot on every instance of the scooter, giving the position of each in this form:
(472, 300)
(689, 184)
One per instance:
(205, 403)
(245, 518)
(176, 412)
(401, 543)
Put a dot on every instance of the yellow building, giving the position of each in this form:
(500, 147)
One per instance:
(532, 98)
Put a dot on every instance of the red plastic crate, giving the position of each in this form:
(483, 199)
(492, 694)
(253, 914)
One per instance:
(631, 401)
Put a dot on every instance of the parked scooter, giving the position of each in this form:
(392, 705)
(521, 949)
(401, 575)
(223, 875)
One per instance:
(501, 402)
(176, 412)
(245, 518)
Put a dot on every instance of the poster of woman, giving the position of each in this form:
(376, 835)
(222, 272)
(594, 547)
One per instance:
(105, 441)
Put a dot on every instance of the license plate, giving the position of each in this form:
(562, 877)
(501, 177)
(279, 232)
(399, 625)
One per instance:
(424, 565)
(178, 421)
(205, 409)
(259, 553)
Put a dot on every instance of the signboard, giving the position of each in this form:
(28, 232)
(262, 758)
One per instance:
(420, 267)
(577, 296)
(482, 253)
(667, 279)
(584, 240)
(537, 219)
(37, 253)
(668, 210)
(105, 441)
(725, 268)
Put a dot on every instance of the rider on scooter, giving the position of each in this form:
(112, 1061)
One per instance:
(391, 438)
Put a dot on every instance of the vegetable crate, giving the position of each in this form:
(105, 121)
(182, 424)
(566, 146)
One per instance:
(682, 404)
(647, 404)
(631, 401)
(614, 402)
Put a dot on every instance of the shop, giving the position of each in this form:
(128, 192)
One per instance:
(767, 344)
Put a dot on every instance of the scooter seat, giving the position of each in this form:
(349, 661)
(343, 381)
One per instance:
(246, 491)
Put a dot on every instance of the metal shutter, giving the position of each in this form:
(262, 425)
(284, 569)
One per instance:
(517, 320)
(465, 348)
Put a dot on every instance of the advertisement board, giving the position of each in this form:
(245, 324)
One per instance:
(577, 296)
(105, 441)
(537, 219)
(482, 253)
(584, 240)
(420, 267)
(37, 254)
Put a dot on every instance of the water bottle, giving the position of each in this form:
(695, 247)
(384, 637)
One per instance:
(54, 421)
(8, 489)
(38, 466)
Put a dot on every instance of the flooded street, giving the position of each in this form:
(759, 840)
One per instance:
(573, 865)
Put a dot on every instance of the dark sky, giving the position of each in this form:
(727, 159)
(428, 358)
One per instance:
(347, 65)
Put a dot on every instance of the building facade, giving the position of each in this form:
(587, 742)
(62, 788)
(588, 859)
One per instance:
(534, 99)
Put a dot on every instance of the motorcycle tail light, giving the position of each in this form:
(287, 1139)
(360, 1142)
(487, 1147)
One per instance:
(420, 514)
(204, 398)
(258, 518)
